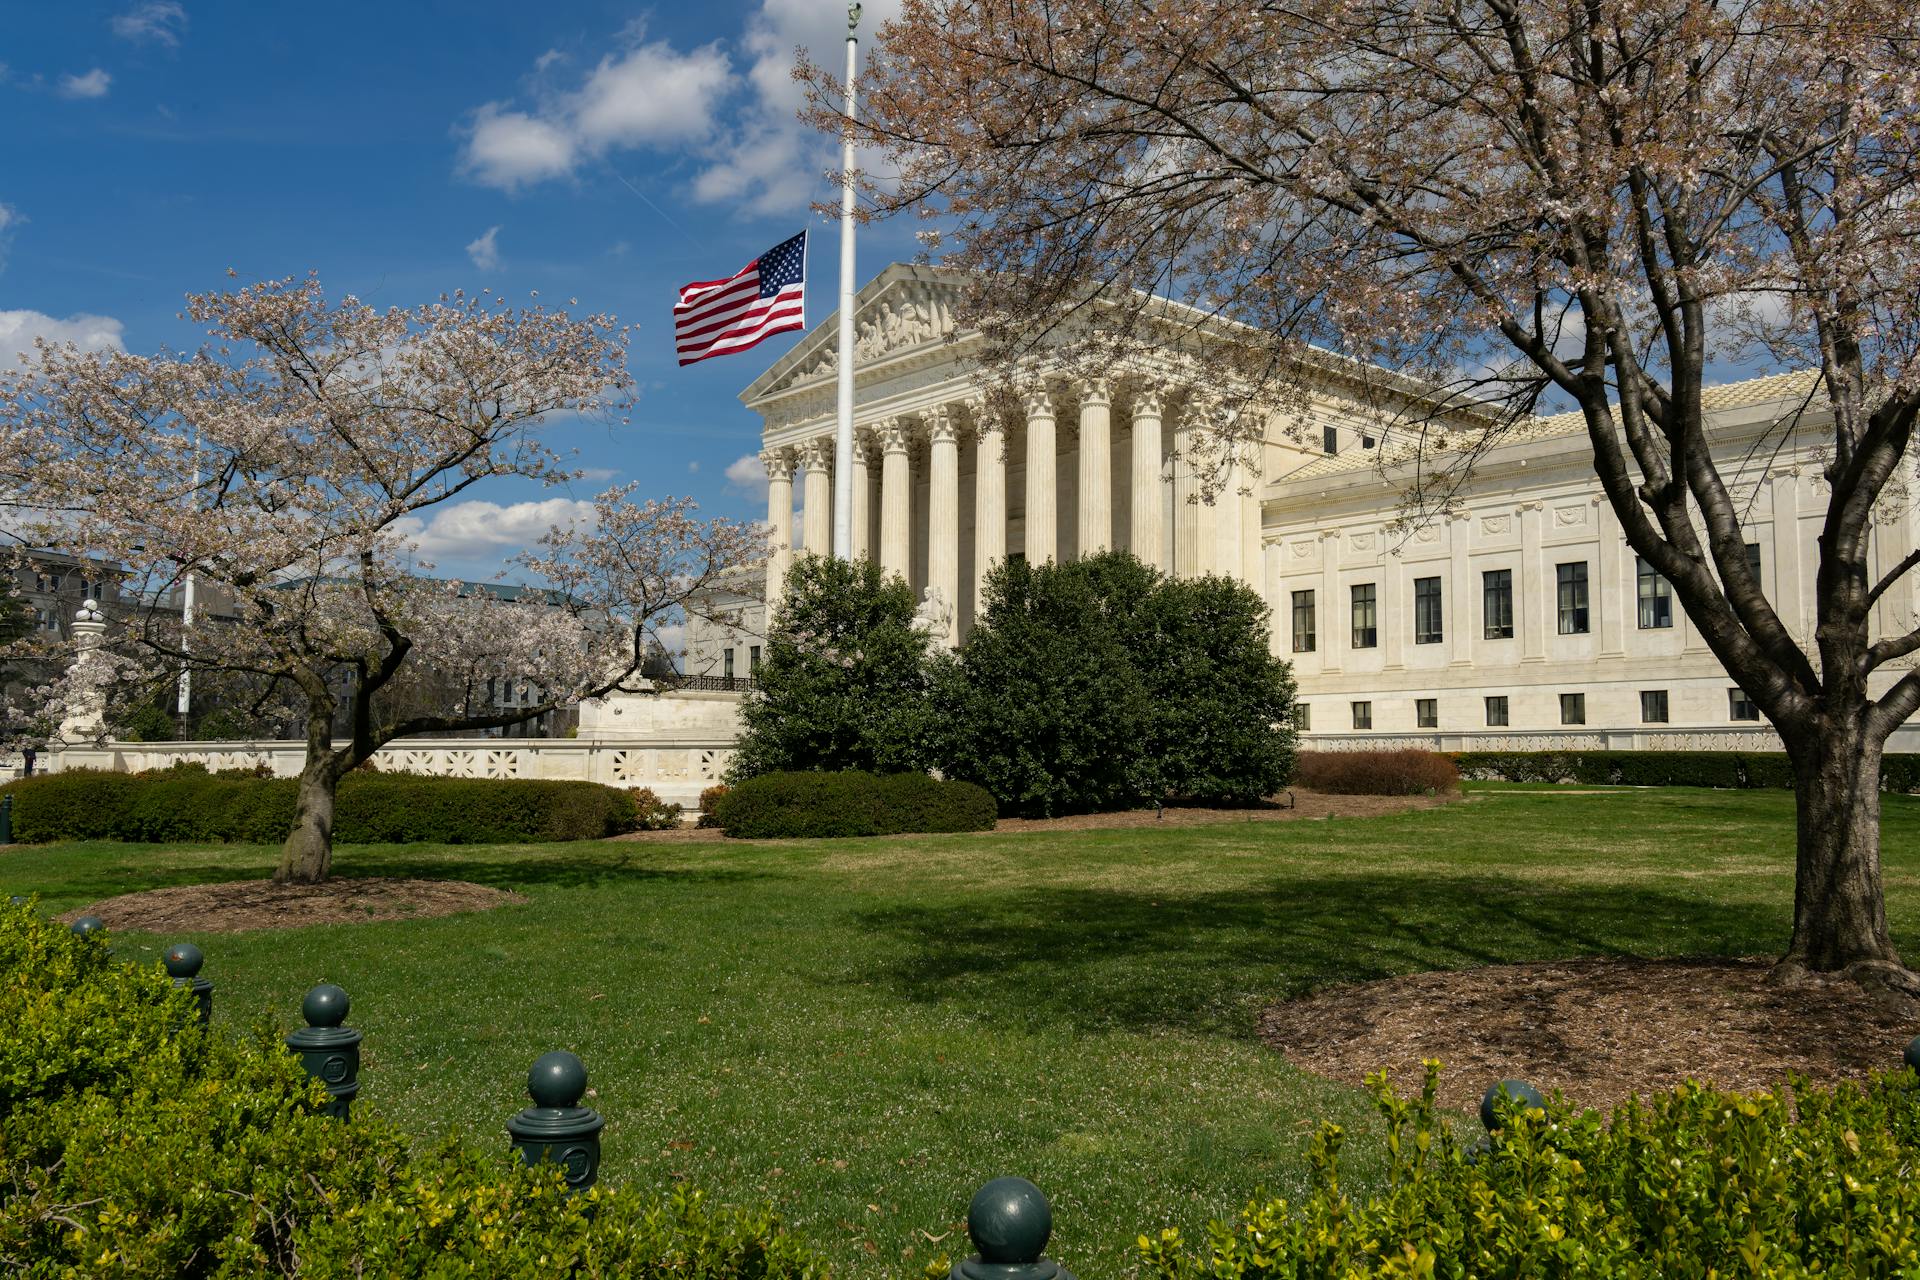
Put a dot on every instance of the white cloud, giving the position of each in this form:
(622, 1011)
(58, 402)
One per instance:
(18, 329)
(748, 474)
(91, 85)
(485, 251)
(468, 533)
(644, 95)
(10, 218)
(693, 467)
(158, 21)
(508, 148)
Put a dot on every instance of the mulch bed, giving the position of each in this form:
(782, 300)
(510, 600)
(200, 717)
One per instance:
(1598, 1030)
(242, 905)
(1305, 805)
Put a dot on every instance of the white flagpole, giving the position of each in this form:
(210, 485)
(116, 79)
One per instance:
(843, 433)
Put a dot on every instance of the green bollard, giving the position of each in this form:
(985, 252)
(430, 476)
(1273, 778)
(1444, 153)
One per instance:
(556, 1129)
(87, 926)
(1009, 1222)
(6, 819)
(183, 961)
(1912, 1055)
(329, 1051)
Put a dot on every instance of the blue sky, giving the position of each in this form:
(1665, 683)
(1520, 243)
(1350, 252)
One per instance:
(605, 152)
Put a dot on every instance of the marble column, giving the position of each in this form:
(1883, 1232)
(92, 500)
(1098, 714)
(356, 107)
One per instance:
(816, 512)
(862, 497)
(1228, 554)
(896, 501)
(1149, 513)
(1191, 526)
(943, 514)
(1535, 589)
(779, 465)
(1095, 495)
(1464, 622)
(1043, 538)
(1253, 567)
(989, 501)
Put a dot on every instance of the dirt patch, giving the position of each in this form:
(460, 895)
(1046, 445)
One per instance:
(242, 905)
(1598, 1030)
(1304, 804)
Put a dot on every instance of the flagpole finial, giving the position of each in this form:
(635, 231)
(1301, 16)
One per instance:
(853, 17)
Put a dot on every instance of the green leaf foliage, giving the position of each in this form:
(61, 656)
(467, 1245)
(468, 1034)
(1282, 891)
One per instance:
(188, 804)
(1693, 1182)
(134, 1143)
(851, 803)
(845, 681)
(1103, 684)
(1729, 770)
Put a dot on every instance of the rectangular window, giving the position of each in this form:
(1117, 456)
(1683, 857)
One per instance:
(1573, 598)
(1329, 439)
(729, 664)
(1740, 706)
(1366, 628)
(1363, 715)
(1753, 559)
(1302, 717)
(1497, 711)
(1496, 603)
(1573, 708)
(1303, 622)
(1653, 706)
(753, 659)
(1656, 597)
(1426, 713)
(1428, 627)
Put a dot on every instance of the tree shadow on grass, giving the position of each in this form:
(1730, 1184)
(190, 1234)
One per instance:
(1091, 960)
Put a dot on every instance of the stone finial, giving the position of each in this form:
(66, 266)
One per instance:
(89, 612)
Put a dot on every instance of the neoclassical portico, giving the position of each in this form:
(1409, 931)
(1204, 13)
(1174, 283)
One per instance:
(1066, 467)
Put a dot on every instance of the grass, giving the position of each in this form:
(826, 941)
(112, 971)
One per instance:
(863, 1031)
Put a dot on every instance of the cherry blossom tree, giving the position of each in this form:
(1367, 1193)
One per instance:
(1594, 204)
(283, 467)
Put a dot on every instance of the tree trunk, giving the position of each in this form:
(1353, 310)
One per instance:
(307, 855)
(1839, 910)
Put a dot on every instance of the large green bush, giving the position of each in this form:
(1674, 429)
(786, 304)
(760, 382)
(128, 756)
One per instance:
(1103, 684)
(134, 1143)
(844, 684)
(1690, 1183)
(852, 803)
(1729, 770)
(373, 808)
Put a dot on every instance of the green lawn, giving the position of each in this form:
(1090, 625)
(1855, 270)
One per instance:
(863, 1031)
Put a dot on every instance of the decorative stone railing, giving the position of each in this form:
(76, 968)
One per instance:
(677, 769)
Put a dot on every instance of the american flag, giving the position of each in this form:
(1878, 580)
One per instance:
(720, 317)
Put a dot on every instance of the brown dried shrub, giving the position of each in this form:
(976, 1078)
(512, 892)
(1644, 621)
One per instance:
(1377, 773)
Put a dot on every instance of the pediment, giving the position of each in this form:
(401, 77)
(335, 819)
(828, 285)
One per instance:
(903, 308)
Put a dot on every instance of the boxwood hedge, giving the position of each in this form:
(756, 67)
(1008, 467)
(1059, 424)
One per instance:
(373, 808)
(851, 803)
(1726, 769)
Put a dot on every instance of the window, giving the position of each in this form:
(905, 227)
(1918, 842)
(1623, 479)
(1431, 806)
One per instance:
(1496, 604)
(1367, 441)
(1329, 439)
(1573, 708)
(1428, 627)
(1363, 715)
(1303, 622)
(1740, 706)
(1426, 713)
(729, 667)
(1497, 711)
(1656, 597)
(1573, 598)
(1753, 559)
(1653, 706)
(753, 659)
(1366, 629)
(1302, 717)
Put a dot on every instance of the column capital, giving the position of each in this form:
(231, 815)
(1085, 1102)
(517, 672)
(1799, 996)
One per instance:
(942, 426)
(893, 435)
(817, 454)
(1037, 400)
(778, 462)
(1096, 393)
(1149, 401)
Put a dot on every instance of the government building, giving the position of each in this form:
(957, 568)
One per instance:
(1519, 619)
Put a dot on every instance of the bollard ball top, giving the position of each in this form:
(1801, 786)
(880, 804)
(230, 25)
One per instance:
(87, 926)
(1913, 1053)
(1009, 1221)
(558, 1079)
(183, 960)
(325, 1006)
(1522, 1093)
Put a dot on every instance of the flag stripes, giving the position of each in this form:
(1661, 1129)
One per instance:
(765, 297)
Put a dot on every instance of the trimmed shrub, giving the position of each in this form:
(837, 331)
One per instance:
(1377, 773)
(795, 805)
(651, 813)
(1691, 1182)
(135, 1143)
(1725, 769)
(187, 805)
(709, 802)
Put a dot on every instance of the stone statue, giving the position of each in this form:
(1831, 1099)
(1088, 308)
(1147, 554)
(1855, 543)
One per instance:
(86, 719)
(934, 617)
